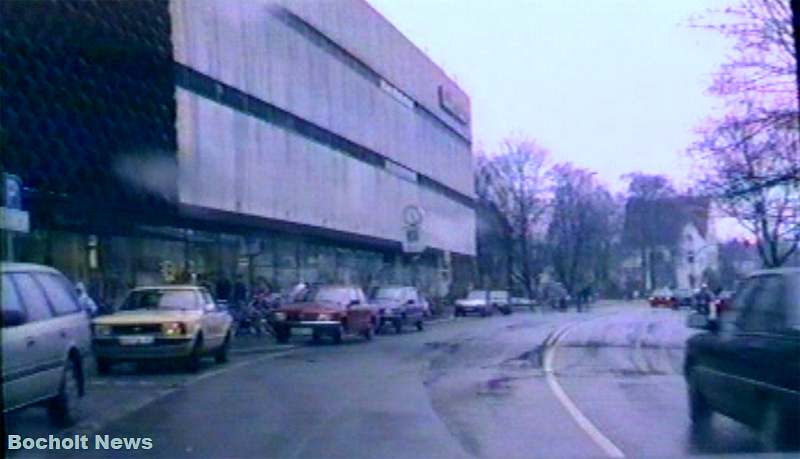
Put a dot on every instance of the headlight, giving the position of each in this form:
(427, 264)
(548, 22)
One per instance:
(324, 317)
(102, 330)
(279, 316)
(173, 329)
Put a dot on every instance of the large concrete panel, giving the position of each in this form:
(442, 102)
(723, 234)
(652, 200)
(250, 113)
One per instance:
(233, 162)
(248, 46)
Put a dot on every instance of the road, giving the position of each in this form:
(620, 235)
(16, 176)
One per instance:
(606, 383)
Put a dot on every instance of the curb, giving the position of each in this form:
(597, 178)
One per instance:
(266, 349)
(440, 320)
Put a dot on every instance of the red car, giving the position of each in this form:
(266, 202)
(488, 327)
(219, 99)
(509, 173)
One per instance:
(663, 297)
(335, 311)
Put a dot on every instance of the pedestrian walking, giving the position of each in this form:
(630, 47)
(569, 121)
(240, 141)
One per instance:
(240, 293)
(86, 302)
(584, 296)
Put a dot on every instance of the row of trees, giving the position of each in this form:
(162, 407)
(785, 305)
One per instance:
(749, 159)
(748, 163)
(554, 216)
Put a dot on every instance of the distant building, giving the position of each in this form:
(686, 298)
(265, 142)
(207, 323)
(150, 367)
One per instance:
(671, 243)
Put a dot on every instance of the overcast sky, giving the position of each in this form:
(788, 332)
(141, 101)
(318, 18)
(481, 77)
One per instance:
(611, 85)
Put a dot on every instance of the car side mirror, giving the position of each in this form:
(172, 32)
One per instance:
(701, 322)
(210, 307)
(409, 302)
(353, 303)
(13, 318)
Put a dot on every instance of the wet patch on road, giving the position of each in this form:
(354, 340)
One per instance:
(529, 360)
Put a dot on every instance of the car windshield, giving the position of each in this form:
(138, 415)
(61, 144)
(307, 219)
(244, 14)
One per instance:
(161, 299)
(390, 293)
(477, 295)
(332, 295)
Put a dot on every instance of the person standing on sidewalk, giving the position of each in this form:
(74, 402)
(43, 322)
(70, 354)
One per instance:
(240, 293)
(86, 302)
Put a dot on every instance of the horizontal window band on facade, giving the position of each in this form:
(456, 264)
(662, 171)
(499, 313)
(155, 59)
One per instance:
(236, 99)
(319, 39)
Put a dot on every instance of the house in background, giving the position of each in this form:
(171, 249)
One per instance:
(671, 243)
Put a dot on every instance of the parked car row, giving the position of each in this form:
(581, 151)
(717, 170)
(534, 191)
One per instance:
(48, 334)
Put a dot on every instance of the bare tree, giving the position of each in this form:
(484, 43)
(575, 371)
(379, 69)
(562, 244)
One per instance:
(750, 159)
(513, 185)
(738, 164)
(580, 228)
(764, 60)
(761, 79)
(642, 231)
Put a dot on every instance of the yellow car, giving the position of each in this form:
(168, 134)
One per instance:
(170, 322)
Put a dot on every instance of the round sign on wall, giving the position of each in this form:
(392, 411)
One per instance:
(412, 215)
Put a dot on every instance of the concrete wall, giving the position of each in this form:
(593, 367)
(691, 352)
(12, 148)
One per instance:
(254, 168)
(232, 161)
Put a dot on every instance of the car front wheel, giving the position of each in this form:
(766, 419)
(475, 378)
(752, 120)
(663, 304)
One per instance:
(64, 408)
(367, 333)
(103, 365)
(282, 335)
(193, 360)
(222, 352)
(337, 334)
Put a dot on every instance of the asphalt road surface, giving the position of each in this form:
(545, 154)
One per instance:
(606, 383)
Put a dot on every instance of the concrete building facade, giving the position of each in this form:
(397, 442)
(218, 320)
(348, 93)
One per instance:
(279, 140)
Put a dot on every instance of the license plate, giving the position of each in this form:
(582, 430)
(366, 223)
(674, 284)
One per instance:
(302, 331)
(135, 340)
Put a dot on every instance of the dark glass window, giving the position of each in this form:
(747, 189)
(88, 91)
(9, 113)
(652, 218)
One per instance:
(33, 297)
(11, 300)
(765, 309)
(59, 292)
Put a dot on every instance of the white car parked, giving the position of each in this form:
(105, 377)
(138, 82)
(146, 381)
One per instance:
(45, 340)
(484, 303)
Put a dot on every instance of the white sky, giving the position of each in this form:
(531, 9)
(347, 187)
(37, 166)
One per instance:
(611, 85)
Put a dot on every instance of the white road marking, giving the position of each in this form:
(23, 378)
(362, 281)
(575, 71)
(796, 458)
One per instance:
(234, 366)
(583, 422)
